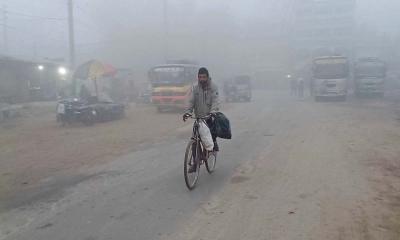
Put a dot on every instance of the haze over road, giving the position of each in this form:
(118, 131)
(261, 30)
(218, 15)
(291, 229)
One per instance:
(294, 170)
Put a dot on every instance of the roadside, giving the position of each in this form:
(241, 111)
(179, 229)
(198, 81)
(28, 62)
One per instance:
(332, 172)
(35, 147)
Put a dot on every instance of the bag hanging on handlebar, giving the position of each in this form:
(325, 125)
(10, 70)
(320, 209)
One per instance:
(222, 126)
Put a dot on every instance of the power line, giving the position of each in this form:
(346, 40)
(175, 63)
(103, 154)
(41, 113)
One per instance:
(95, 43)
(38, 17)
(86, 25)
(89, 21)
(113, 19)
(34, 16)
(86, 13)
(6, 14)
(7, 26)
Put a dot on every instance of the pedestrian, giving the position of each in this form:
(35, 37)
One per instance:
(293, 87)
(300, 87)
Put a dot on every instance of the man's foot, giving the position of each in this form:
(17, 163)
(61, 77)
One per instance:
(216, 147)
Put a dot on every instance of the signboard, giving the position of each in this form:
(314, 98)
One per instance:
(168, 69)
(331, 61)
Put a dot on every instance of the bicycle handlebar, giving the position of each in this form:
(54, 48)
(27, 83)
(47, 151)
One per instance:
(202, 118)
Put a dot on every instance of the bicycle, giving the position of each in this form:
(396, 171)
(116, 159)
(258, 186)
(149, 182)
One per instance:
(198, 157)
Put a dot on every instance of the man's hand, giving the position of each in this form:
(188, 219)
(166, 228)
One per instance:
(186, 116)
(212, 115)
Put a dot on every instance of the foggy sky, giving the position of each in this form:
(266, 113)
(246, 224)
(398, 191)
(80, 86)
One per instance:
(106, 30)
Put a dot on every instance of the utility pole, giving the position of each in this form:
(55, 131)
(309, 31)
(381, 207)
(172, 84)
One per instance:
(166, 30)
(5, 33)
(35, 50)
(71, 35)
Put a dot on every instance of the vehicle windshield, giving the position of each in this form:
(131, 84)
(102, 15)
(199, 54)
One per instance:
(327, 71)
(242, 81)
(168, 76)
(370, 70)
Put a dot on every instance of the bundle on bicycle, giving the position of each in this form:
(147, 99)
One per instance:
(208, 125)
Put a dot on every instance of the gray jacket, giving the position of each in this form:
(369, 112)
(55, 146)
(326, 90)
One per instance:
(204, 101)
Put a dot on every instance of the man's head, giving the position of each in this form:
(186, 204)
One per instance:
(203, 76)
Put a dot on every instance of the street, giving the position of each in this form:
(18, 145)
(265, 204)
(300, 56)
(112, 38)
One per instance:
(295, 169)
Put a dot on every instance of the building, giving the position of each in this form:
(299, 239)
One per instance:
(323, 27)
(22, 80)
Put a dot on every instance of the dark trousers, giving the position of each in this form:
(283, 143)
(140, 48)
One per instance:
(211, 125)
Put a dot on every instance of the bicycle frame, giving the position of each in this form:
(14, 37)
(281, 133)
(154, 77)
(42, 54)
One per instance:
(197, 139)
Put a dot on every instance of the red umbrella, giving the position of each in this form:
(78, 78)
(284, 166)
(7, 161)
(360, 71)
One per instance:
(94, 69)
(109, 70)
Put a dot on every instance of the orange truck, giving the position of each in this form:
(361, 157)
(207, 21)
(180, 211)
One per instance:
(172, 85)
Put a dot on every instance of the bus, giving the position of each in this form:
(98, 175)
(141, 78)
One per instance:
(172, 85)
(330, 76)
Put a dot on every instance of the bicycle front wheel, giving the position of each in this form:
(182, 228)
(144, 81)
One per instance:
(192, 155)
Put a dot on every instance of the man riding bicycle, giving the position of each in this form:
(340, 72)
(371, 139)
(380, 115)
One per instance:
(204, 101)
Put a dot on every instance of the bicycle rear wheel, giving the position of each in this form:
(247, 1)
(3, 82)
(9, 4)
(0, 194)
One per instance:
(190, 159)
(211, 161)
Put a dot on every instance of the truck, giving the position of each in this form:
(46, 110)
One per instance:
(369, 77)
(330, 77)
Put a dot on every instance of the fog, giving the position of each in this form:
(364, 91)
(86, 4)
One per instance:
(227, 36)
(296, 135)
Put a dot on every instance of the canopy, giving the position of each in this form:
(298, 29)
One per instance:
(94, 69)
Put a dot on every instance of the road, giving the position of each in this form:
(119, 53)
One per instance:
(294, 170)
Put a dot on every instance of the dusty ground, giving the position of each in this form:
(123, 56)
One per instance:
(332, 173)
(34, 147)
(294, 170)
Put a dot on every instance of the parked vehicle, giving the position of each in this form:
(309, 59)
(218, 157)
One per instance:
(238, 89)
(330, 77)
(74, 110)
(369, 76)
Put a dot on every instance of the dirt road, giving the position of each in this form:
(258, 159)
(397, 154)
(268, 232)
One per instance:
(35, 147)
(294, 170)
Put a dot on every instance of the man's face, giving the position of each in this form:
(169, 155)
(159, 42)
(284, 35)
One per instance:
(203, 78)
